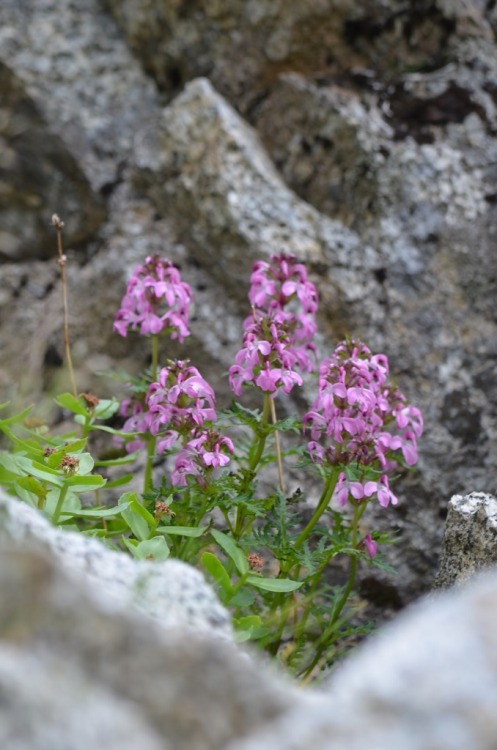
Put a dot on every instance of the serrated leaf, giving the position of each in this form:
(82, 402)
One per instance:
(232, 550)
(277, 585)
(217, 570)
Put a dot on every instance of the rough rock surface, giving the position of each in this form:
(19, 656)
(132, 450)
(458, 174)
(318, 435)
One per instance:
(69, 659)
(380, 117)
(470, 538)
(170, 592)
(427, 681)
(77, 667)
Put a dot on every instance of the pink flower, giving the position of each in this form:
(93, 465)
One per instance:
(181, 399)
(206, 451)
(156, 300)
(267, 359)
(358, 419)
(280, 289)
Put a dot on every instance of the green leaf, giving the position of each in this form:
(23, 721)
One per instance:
(219, 574)
(32, 485)
(155, 548)
(131, 545)
(120, 481)
(77, 446)
(85, 484)
(278, 585)
(98, 512)
(21, 465)
(106, 408)
(71, 505)
(191, 531)
(121, 461)
(70, 402)
(244, 597)
(85, 460)
(131, 511)
(16, 418)
(232, 550)
(250, 628)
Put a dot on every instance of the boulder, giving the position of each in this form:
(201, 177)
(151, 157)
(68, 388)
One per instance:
(170, 592)
(77, 667)
(426, 681)
(470, 538)
(74, 661)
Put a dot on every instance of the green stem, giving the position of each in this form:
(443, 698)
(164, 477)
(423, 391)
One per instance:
(358, 511)
(320, 509)
(185, 548)
(60, 503)
(155, 358)
(256, 451)
(285, 569)
(151, 440)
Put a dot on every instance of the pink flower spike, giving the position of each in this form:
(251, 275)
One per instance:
(156, 300)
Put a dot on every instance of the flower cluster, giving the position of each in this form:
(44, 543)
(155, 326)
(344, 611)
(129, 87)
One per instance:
(156, 300)
(266, 360)
(359, 420)
(181, 405)
(180, 400)
(280, 289)
(206, 451)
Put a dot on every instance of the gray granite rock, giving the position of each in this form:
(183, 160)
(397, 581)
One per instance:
(170, 592)
(427, 681)
(47, 703)
(384, 120)
(37, 173)
(210, 164)
(470, 538)
(76, 661)
(77, 667)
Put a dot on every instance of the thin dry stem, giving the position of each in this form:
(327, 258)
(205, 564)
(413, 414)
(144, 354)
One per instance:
(277, 446)
(59, 224)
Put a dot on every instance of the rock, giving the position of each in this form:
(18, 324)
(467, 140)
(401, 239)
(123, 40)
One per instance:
(426, 681)
(239, 45)
(470, 539)
(79, 667)
(211, 165)
(76, 68)
(77, 662)
(381, 115)
(37, 174)
(48, 704)
(171, 592)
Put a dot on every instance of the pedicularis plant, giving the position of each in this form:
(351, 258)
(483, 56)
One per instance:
(268, 566)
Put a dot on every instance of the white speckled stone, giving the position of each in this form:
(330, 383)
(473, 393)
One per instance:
(170, 592)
